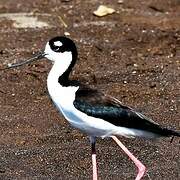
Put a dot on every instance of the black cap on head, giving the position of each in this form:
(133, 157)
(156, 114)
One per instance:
(62, 44)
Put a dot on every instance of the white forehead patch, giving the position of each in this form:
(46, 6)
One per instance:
(58, 43)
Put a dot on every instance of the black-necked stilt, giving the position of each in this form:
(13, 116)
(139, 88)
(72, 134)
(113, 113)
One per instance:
(90, 110)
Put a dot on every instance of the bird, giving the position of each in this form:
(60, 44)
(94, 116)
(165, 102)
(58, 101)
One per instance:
(89, 109)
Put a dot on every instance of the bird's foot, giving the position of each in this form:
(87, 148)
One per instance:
(141, 170)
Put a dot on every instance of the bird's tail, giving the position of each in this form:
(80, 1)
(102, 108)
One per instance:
(169, 132)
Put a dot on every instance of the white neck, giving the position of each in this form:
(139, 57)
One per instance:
(61, 64)
(61, 95)
(54, 74)
(54, 87)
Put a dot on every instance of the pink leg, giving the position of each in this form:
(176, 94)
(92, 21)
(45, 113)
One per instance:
(140, 166)
(94, 166)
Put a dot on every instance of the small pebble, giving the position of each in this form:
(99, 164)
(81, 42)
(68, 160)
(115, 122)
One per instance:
(120, 2)
(66, 33)
(103, 11)
(9, 64)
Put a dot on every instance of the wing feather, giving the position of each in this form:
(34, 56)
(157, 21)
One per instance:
(95, 103)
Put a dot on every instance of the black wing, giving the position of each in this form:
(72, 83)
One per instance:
(97, 104)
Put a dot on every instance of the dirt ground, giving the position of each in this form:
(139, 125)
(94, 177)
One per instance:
(133, 54)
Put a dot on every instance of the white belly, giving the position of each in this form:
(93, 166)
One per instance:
(87, 124)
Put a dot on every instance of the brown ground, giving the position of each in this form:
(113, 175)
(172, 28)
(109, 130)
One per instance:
(133, 55)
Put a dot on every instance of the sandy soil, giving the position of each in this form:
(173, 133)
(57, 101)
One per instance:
(133, 54)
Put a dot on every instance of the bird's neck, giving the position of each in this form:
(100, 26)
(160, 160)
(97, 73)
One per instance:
(59, 87)
(59, 74)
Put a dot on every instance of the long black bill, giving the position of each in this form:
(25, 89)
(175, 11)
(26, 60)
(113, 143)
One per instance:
(38, 56)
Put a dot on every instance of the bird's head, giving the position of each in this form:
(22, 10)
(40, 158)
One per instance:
(60, 50)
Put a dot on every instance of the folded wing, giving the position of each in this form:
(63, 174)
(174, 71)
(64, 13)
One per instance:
(97, 104)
